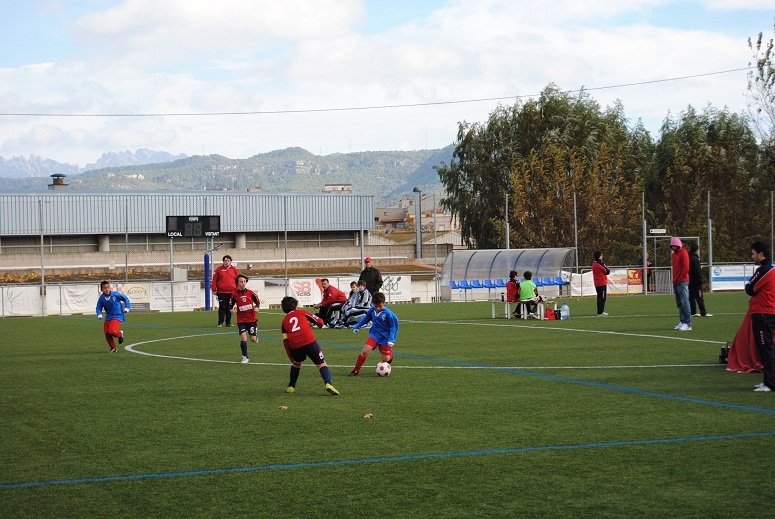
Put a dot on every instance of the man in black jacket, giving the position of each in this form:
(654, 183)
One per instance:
(371, 276)
(695, 283)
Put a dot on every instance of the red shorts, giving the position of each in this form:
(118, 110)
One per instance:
(111, 327)
(384, 349)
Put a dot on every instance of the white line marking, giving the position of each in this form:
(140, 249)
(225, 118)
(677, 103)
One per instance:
(603, 332)
(131, 349)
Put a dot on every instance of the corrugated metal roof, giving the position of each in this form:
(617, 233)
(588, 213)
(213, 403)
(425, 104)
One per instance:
(135, 213)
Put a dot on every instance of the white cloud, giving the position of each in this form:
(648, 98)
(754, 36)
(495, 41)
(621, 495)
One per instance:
(174, 56)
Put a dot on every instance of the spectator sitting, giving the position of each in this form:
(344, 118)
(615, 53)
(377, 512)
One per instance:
(512, 293)
(351, 297)
(528, 295)
(362, 305)
(332, 301)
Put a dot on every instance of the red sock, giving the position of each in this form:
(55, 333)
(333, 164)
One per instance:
(359, 362)
(111, 341)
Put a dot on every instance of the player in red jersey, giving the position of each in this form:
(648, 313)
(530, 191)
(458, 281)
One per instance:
(244, 303)
(299, 342)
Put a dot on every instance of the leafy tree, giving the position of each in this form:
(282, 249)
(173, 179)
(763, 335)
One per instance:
(542, 152)
(699, 153)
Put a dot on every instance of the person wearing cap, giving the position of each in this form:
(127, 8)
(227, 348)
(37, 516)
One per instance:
(680, 267)
(372, 276)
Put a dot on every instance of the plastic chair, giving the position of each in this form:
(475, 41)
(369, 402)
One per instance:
(499, 283)
(560, 283)
(476, 284)
(464, 286)
(547, 282)
(490, 286)
(537, 281)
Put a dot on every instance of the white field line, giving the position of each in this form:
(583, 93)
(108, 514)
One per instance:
(131, 348)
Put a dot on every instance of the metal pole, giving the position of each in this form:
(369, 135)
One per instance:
(172, 278)
(436, 252)
(362, 234)
(42, 262)
(285, 230)
(126, 240)
(644, 273)
(710, 247)
(576, 231)
(508, 230)
(418, 223)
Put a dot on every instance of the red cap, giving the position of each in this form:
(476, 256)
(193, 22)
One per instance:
(367, 260)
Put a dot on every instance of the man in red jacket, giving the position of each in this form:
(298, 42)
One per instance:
(600, 278)
(680, 267)
(333, 299)
(761, 307)
(223, 285)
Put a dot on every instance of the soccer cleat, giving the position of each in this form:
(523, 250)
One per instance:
(121, 338)
(112, 350)
(290, 389)
(762, 389)
(677, 326)
(684, 328)
(695, 315)
(604, 314)
(331, 389)
(760, 384)
(353, 373)
(229, 325)
(706, 315)
(245, 360)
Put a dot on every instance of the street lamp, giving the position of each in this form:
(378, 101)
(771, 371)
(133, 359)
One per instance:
(418, 223)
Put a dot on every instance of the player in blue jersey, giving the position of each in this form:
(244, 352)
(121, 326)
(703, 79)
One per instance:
(382, 334)
(115, 305)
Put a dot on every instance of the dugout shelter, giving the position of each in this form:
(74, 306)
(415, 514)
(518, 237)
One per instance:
(481, 274)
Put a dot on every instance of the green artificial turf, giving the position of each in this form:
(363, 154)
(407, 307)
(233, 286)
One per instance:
(617, 416)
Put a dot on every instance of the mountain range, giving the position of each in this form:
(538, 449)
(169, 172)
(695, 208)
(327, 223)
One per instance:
(388, 175)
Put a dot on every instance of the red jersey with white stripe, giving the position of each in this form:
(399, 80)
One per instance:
(247, 305)
(297, 328)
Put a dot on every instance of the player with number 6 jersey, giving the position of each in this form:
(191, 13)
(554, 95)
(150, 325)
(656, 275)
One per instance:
(299, 343)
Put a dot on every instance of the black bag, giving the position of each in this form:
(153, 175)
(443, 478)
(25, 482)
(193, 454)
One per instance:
(723, 354)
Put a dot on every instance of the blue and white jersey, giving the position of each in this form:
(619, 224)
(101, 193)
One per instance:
(112, 306)
(384, 326)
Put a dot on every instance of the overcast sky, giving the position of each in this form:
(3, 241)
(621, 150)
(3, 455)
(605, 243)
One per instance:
(258, 75)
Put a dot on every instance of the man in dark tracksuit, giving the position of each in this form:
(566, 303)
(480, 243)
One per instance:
(696, 300)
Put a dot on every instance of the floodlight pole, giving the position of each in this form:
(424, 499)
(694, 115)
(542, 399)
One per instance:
(435, 253)
(418, 222)
(507, 221)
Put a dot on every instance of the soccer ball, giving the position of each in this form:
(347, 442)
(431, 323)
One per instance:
(383, 369)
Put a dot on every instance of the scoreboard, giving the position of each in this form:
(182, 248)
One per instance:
(193, 226)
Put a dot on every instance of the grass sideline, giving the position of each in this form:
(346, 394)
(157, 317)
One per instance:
(593, 417)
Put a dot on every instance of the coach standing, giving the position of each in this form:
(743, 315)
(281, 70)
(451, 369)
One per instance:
(371, 276)
(223, 285)
(600, 278)
(761, 307)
